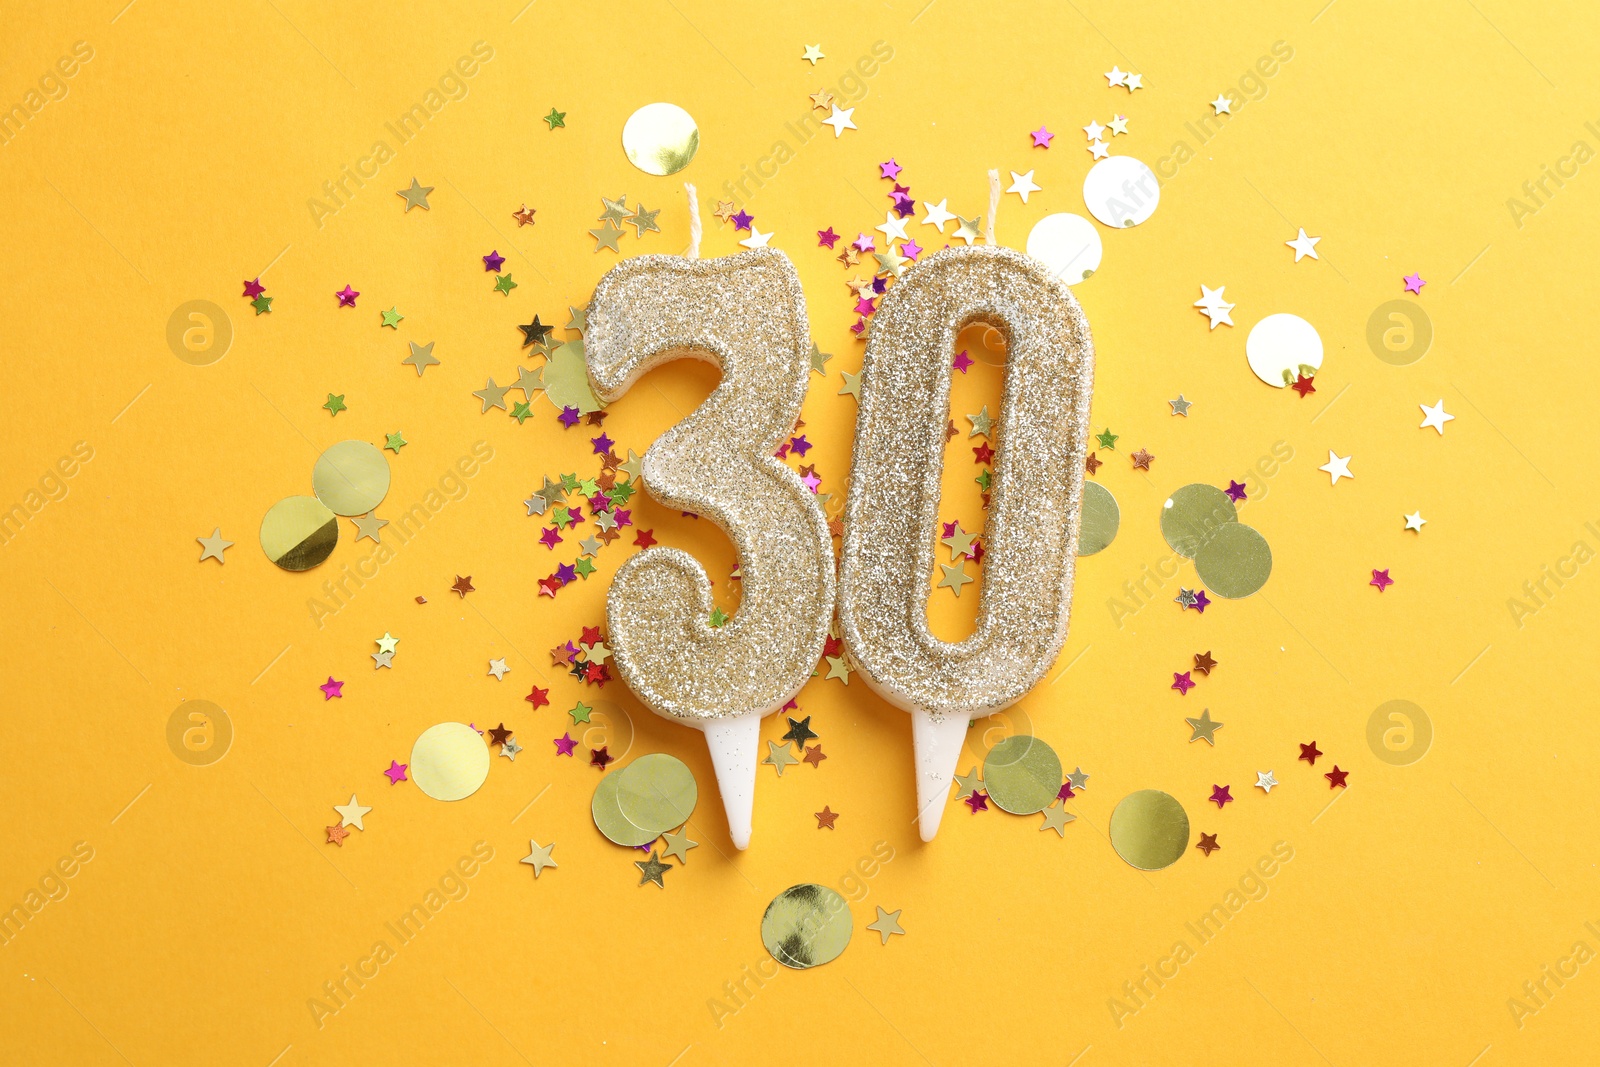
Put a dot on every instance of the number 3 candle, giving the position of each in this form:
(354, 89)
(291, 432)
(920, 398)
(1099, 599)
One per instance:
(746, 314)
(1031, 536)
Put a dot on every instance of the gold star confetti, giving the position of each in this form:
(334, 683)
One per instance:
(969, 783)
(678, 845)
(214, 546)
(1204, 729)
(887, 924)
(539, 858)
(954, 577)
(651, 870)
(606, 236)
(1056, 819)
(778, 756)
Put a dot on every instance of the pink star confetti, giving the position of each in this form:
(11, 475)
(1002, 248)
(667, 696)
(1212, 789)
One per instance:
(1041, 137)
(331, 689)
(1065, 792)
(1182, 683)
(863, 243)
(889, 169)
(549, 538)
(1414, 283)
(826, 238)
(253, 289)
(347, 297)
(1220, 795)
(396, 772)
(565, 744)
(977, 802)
(1381, 579)
(911, 250)
(961, 362)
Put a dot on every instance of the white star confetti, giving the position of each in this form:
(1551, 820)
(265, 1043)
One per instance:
(936, 215)
(840, 121)
(1214, 307)
(1021, 184)
(1337, 467)
(1435, 416)
(1304, 246)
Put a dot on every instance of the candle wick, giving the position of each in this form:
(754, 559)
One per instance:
(994, 207)
(693, 251)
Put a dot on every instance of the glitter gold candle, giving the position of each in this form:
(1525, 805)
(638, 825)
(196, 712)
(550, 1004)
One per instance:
(891, 517)
(746, 314)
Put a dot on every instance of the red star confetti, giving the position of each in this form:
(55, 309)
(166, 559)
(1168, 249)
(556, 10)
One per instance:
(1208, 844)
(1220, 795)
(539, 697)
(1310, 752)
(599, 757)
(1303, 386)
(462, 586)
(1336, 777)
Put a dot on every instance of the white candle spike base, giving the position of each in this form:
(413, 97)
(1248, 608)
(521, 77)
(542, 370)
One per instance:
(936, 747)
(735, 742)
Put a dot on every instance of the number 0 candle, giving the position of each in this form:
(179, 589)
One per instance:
(891, 516)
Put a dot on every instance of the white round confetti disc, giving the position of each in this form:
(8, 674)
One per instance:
(1067, 244)
(450, 761)
(1282, 346)
(660, 138)
(1121, 191)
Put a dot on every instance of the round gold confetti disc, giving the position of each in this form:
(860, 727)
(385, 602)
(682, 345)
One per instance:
(566, 379)
(1234, 562)
(1097, 526)
(351, 477)
(1022, 775)
(656, 792)
(1281, 347)
(660, 138)
(608, 817)
(449, 761)
(1192, 514)
(1150, 829)
(806, 926)
(298, 532)
(1068, 244)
